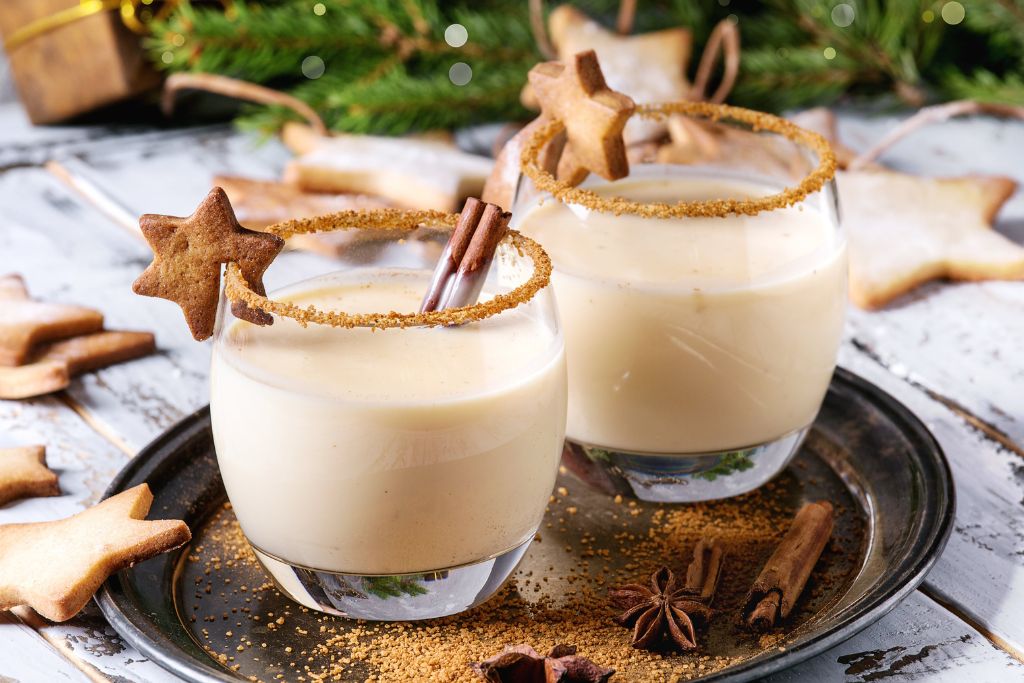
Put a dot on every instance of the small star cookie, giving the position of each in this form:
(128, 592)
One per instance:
(23, 474)
(24, 323)
(189, 252)
(905, 230)
(594, 115)
(55, 567)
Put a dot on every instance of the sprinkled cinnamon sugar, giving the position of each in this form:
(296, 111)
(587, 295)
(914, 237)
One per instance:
(388, 221)
(758, 121)
(559, 594)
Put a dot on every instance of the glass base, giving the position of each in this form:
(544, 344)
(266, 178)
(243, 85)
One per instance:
(401, 597)
(683, 478)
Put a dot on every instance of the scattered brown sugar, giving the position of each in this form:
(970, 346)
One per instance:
(758, 121)
(558, 595)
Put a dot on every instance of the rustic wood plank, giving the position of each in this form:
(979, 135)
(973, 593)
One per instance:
(963, 343)
(981, 573)
(23, 144)
(26, 658)
(85, 463)
(918, 641)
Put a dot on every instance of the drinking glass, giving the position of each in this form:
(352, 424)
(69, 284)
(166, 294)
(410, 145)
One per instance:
(700, 342)
(390, 474)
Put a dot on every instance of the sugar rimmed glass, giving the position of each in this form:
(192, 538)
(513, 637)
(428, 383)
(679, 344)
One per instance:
(390, 474)
(699, 347)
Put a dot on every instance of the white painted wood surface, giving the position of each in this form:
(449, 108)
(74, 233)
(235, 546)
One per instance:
(952, 353)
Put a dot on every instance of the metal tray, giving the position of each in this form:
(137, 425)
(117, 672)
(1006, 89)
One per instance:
(866, 453)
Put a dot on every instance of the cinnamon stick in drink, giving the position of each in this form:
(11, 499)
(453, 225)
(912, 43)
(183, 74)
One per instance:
(785, 575)
(452, 254)
(462, 269)
(469, 279)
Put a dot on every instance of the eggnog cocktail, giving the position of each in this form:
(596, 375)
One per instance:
(693, 335)
(699, 347)
(392, 455)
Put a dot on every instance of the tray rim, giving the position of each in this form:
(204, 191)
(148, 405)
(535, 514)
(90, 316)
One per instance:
(120, 616)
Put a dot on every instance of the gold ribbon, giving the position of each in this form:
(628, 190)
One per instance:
(85, 8)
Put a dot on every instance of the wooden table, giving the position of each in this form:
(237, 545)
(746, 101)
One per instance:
(954, 354)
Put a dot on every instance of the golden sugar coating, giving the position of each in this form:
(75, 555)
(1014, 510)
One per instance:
(388, 220)
(758, 121)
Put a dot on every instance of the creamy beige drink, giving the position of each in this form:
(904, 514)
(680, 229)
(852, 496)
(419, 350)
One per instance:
(693, 335)
(389, 451)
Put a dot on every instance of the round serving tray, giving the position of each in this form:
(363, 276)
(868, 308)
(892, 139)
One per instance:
(866, 453)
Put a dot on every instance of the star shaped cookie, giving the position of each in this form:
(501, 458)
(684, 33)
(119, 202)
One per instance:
(23, 474)
(55, 567)
(648, 67)
(24, 323)
(593, 114)
(905, 230)
(189, 252)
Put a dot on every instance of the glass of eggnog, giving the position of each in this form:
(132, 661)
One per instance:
(702, 298)
(387, 464)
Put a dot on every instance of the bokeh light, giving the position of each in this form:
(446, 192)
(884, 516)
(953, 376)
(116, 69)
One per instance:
(843, 15)
(313, 67)
(953, 13)
(456, 35)
(460, 73)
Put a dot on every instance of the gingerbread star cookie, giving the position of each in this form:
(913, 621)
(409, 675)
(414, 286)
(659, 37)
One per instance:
(905, 230)
(55, 567)
(189, 252)
(593, 114)
(23, 474)
(648, 67)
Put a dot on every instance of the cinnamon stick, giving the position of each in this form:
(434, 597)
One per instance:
(785, 575)
(453, 252)
(469, 279)
(462, 269)
(704, 570)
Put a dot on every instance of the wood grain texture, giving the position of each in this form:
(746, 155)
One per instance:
(963, 342)
(918, 641)
(948, 342)
(981, 573)
(85, 464)
(27, 658)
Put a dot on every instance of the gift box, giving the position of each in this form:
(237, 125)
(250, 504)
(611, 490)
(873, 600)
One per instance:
(69, 57)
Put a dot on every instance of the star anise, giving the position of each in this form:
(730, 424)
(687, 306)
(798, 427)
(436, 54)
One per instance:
(665, 614)
(522, 664)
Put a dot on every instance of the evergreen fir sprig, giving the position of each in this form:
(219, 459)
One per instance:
(386, 61)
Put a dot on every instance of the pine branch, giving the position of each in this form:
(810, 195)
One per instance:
(398, 102)
(1002, 22)
(985, 86)
(387, 61)
(782, 78)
